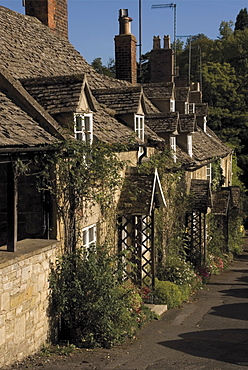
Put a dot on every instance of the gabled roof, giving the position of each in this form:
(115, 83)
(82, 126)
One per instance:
(23, 122)
(182, 94)
(122, 100)
(140, 194)
(18, 129)
(187, 123)
(206, 146)
(163, 122)
(200, 195)
(59, 94)
(201, 109)
(221, 202)
(161, 90)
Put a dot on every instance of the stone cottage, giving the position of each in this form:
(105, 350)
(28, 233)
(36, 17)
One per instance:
(48, 91)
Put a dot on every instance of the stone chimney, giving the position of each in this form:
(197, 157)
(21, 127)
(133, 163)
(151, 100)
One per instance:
(52, 13)
(125, 50)
(162, 61)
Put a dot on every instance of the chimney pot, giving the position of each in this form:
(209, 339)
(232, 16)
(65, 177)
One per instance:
(167, 42)
(156, 42)
(124, 22)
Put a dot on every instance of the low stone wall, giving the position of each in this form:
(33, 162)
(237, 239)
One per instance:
(24, 322)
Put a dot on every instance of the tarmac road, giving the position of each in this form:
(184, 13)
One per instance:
(210, 332)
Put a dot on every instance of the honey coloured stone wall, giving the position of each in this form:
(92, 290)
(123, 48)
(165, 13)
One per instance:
(24, 293)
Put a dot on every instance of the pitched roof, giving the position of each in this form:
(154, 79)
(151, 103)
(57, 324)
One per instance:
(121, 100)
(182, 93)
(163, 122)
(57, 94)
(187, 122)
(201, 109)
(207, 145)
(23, 122)
(162, 90)
(30, 49)
(139, 193)
(221, 202)
(18, 129)
(200, 195)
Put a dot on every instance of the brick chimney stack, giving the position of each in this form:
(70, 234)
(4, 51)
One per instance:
(125, 50)
(52, 13)
(162, 61)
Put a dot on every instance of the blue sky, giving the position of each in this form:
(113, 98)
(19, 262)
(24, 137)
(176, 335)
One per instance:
(93, 24)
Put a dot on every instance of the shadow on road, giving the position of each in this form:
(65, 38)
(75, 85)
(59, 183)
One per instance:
(227, 345)
(238, 311)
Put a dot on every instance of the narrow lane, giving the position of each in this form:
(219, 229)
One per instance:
(210, 332)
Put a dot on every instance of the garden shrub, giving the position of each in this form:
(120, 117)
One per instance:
(95, 309)
(166, 292)
(177, 270)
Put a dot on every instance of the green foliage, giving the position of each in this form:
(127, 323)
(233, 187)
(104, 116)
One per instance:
(61, 350)
(78, 174)
(177, 270)
(217, 175)
(225, 29)
(86, 296)
(235, 232)
(241, 20)
(168, 293)
(216, 242)
(108, 70)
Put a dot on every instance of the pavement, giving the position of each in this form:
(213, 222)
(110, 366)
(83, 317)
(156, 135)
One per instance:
(208, 332)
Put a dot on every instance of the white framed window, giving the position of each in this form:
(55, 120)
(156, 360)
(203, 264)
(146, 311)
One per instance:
(191, 108)
(83, 127)
(209, 172)
(186, 108)
(89, 236)
(172, 105)
(204, 123)
(139, 128)
(173, 147)
(189, 145)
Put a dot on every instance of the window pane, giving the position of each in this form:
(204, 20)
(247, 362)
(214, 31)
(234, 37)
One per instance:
(78, 123)
(85, 237)
(79, 136)
(87, 123)
(91, 234)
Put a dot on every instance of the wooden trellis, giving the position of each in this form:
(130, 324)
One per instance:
(136, 233)
(196, 228)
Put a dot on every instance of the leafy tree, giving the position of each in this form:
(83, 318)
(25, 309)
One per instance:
(225, 29)
(241, 20)
(108, 70)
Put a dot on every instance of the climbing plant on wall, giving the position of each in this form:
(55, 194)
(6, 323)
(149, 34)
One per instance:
(78, 175)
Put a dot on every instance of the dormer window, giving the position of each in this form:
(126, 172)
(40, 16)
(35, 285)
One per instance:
(139, 130)
(186, 108)
(139, 127)
(204, 123)
(173, 147)
(189, 145)
(191, 108)
(172, 105)
(83, 127)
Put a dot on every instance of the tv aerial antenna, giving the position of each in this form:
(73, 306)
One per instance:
(171, 5)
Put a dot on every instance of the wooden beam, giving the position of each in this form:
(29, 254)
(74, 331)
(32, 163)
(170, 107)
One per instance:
(12, 196)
